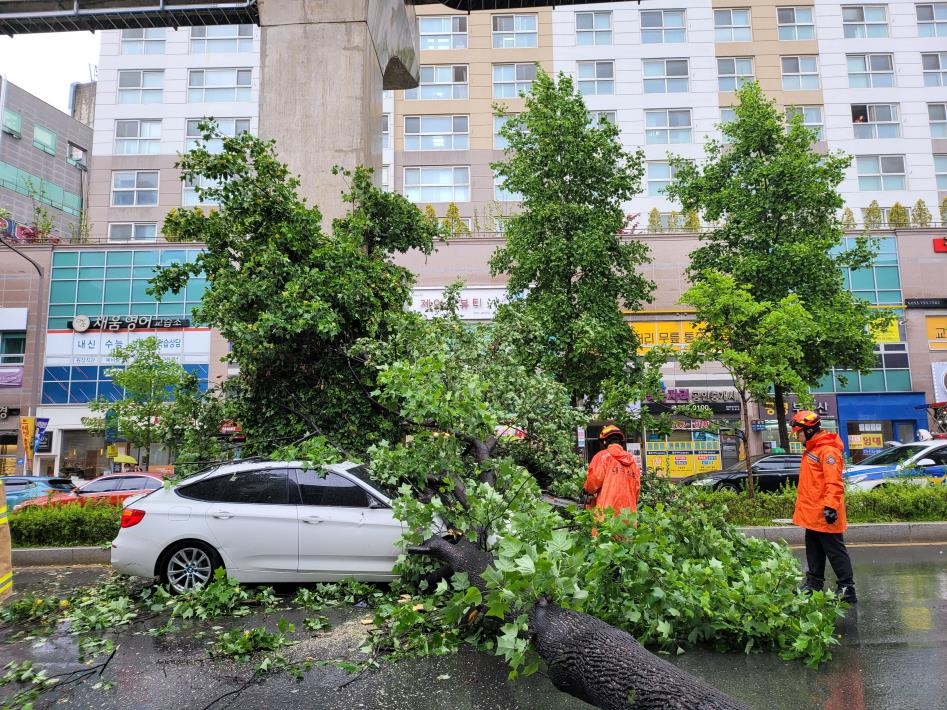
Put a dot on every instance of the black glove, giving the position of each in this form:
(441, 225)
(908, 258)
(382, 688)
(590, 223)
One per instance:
(830, 515)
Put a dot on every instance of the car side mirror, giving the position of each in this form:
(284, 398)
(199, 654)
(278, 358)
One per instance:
(925, 462)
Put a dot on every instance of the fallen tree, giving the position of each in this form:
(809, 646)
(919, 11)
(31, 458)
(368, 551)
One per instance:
(587, 658)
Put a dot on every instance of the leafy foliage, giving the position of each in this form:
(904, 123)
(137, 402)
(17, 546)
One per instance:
(290, 298)
(569, 272)
(95, 523)
(898, 216)
(920, 215)
(655, 226)
(241, 644)
(776, 203)
(149, 382)
(872, 215)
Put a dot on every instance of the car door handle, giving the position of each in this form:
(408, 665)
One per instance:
(222, 515)
(312, 520)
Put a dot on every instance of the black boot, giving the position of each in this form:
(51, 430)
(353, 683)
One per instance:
(846, 593)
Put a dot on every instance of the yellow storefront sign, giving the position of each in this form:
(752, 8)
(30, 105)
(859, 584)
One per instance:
(676, 333)
(937, 332)
(679, 465)
(890, 334)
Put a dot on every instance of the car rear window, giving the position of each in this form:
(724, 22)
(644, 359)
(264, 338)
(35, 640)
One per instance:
(266, 486)
(62, 485)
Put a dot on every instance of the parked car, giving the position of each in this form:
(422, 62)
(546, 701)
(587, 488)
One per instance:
(923, 463)
(22, 488)
(263, 521)
(770, 473)
(114, 488)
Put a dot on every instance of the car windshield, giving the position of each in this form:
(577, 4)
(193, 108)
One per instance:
(898, 454)
(364, 475)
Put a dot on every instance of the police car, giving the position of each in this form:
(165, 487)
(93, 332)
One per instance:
(922, 463)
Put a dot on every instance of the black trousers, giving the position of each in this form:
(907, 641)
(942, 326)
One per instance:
(820, 545)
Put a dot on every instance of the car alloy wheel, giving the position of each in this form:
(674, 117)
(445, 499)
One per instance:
(189, 566)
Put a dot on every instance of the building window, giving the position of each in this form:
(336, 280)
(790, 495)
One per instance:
(218, 85)
(666, 126)
(440, 82)
(932, 19)
(734, 72)
(732, 26)
(385, 178)
(861, 21)
(596, 117)
(879, 283)
(386, 130)
(795, 23)
(44, 139)
(137, 137)
(935, 69)
(229, 127)
(147, 40)
(12, 347)
(811, 118)
(436, 133)
(593, 28)
(76, 155)
(136, 86)
(499, 142)
(870, 70)
(940, 170)
(12, 123)
(596, 78)
(219, 39)
(132, 231)
(665, 76)
(501, 194)
(881, 172)
(134, 188)
(190, 196)
(662, 26)
(510, 80)
(660, 175)
(937, 113)
(514, 31)
(876, 121)
(437, 184)
(800, 73)
(444, 32)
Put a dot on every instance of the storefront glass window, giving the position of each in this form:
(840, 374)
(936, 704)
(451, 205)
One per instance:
(82, 455)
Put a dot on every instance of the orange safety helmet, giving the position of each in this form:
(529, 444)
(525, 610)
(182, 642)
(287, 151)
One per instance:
(805, 420)
(608, 431)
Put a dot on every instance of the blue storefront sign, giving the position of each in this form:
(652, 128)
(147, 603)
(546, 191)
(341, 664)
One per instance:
(867, 421)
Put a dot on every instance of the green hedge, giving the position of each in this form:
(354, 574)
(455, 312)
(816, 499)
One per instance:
(65, 525)
(891, 503)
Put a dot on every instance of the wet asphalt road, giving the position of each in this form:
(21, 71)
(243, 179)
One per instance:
(893, 656)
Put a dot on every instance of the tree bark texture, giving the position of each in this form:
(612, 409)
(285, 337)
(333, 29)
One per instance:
(589, 659)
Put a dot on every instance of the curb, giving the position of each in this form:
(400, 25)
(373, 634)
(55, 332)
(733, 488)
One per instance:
(879, 533)
(866, 533)
(65, 556)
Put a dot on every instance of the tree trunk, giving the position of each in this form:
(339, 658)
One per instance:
(586, 657)
(780, 407)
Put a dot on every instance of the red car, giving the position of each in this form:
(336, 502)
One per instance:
(112, 488)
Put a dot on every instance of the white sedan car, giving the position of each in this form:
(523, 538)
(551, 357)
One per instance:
(920, 463)
(262, 521)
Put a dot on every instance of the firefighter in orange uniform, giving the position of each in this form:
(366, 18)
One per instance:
(614, 479)
(820, 505)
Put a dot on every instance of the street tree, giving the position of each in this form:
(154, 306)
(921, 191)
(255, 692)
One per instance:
(775, 203)
(149, 382)
(569, 271)
(525, 580)
(289, 297)
(758, 342)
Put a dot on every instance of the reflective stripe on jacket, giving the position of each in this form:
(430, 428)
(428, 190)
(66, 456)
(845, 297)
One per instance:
(820, 484)
(615, 478)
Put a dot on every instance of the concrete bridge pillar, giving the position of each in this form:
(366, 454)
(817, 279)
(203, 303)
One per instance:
(323, 66)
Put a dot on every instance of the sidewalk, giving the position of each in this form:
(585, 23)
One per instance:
(858, 533)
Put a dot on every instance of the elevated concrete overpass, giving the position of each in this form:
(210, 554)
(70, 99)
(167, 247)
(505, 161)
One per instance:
(323, 65)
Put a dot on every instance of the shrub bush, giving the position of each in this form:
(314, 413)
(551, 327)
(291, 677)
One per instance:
(65, 525)
(896, 502)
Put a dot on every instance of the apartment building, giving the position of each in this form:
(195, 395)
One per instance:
(870, 78)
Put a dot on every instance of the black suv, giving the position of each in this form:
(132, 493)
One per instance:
(770, 473)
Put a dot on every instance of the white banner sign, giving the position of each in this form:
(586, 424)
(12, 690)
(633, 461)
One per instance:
(940, 381)
(474, 303)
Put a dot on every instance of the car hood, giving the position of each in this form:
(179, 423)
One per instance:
(880, 469)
